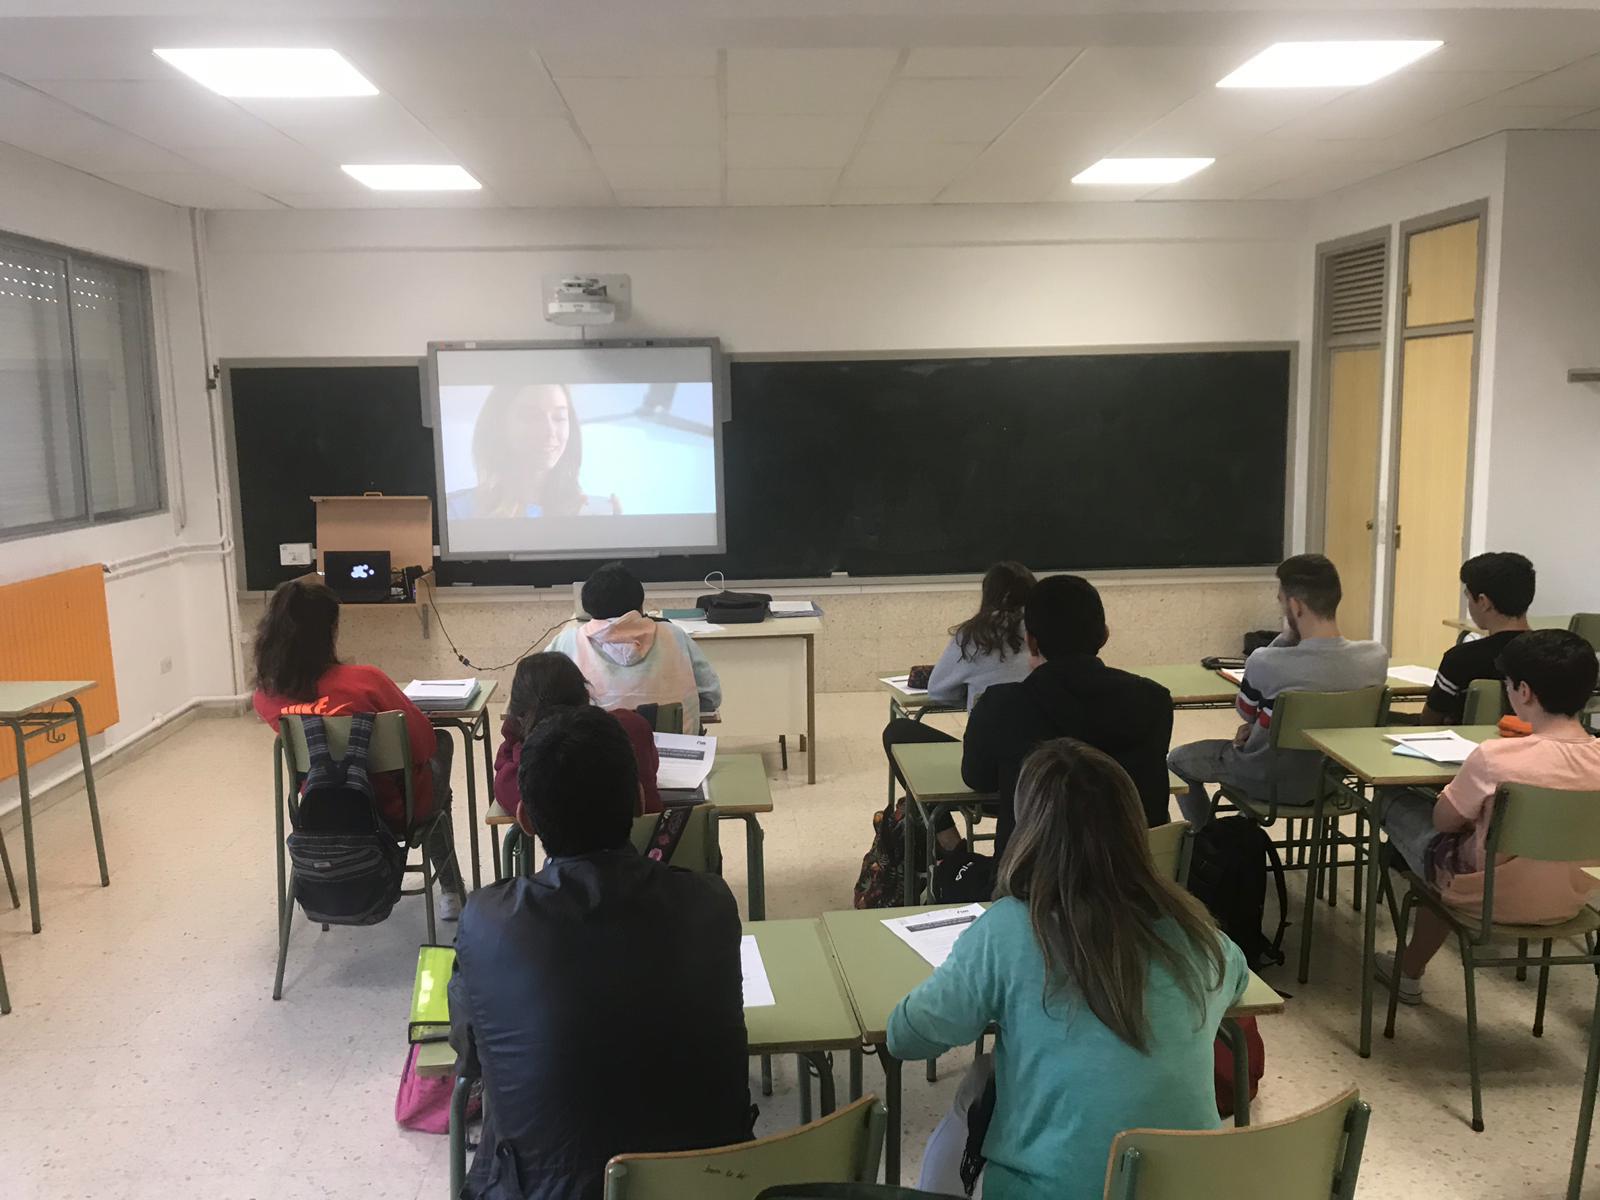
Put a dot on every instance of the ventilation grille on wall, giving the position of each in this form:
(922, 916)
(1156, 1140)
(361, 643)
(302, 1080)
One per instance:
(1355, 291)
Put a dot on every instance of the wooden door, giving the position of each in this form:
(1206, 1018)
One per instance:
(1442, 275)
(1355, 402)
(1430, 503)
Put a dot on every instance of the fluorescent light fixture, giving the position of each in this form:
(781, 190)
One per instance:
(289, 73)
(1326, 64)
(412, 177)
(1141, 170)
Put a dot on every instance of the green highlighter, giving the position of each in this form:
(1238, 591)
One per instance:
(430, 996)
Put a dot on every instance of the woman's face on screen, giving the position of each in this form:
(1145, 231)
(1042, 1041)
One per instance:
(540, 426)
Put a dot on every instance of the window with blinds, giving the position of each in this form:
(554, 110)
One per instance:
(1354, 301)
(79, 424)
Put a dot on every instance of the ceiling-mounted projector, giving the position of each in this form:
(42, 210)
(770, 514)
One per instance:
(585, 299)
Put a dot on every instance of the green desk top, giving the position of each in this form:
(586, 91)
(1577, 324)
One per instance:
(813, 1010)
(1369, 757)
(933, 773)
(19, 697)
(474, 707)
(737, 785)
(1190, 683)
(879, 969)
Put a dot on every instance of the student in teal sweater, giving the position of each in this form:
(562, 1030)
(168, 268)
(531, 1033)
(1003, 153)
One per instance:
(1107, 983)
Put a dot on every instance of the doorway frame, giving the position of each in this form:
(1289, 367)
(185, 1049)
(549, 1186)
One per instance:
(1402, 258)
(1317, 442)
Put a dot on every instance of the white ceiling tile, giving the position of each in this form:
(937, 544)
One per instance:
(670, 198)
(950, 110)
(1320, 180)
(792, 141)
(1511, 39)
(908, 165)
(47, 127)
(287, 167)
(644, 112)
(554, 189)
(1219, 120)
(1039, 63)
(65, 48)
(1245, 172)
(630, 62)
(1576, 84)
(1403, 100)
(660, 168)
(1147, 81)
(884, 195)
(357, 129)
(978, 185)
(176, 113)
(1471, 123)
(807, 81)
(459, 75)
(1588, 120)
(781, 186)
(192, 190)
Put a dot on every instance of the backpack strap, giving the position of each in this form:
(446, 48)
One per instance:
(324, 771)
(1275, 869)
(669, 830)
(355, 753)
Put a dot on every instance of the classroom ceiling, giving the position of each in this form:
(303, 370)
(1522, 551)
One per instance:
(771, 102)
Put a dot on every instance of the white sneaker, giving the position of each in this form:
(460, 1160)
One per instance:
(1410, 989)
(449, 906)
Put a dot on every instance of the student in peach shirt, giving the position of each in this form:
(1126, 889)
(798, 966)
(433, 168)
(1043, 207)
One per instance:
(1549, 675)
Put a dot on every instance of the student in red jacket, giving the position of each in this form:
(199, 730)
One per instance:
(542, 684)
(298, 670)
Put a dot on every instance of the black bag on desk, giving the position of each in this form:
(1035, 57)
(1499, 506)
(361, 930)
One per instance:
(347, 866)
(735, 608)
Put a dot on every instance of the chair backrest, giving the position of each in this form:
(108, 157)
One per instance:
(1586, 626)
(1546, 824)
(1295, 712)
(697, 850)
(1171, 845)
(1485, 702)
(850, 1191)
(841, 1148)
(389, 750)
(1314, 1156)
(669, 718)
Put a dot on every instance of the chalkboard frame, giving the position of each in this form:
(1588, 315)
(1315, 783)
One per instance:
(1293, 419)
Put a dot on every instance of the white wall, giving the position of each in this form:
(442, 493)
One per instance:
(177, 608)
(1542, 492)
(1464, 176)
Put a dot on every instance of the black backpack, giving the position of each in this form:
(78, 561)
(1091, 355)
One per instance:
(348, 866)
(1228, 874)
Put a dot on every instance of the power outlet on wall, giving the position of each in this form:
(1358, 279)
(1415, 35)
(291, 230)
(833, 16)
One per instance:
(294, 554)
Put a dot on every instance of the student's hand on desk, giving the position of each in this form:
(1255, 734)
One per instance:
(1241, 736)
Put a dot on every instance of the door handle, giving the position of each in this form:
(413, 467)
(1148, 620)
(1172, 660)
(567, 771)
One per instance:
(1397, 535)
(1369, 526)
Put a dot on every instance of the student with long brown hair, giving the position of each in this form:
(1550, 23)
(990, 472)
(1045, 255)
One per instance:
(1107, 982)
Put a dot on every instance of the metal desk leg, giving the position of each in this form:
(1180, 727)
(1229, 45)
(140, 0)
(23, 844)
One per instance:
(1369, 921)
(811, 709)
(755, 867)
(88, 786)
(766, 1074)
(802, 1070)
(1591, 1075)
(827, 1101)
(894, 713)
(27, 825)
(1239, 1044)
(494, 842)
(472, 798)
(855, 1073)
(891, 1101)
(488, 779)
(908, 870)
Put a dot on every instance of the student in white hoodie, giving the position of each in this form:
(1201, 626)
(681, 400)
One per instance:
(630, 659)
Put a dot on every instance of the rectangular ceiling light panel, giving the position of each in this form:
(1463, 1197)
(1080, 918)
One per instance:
(1132, 171)
(298, 73)
(1326, 64)
(412, 177)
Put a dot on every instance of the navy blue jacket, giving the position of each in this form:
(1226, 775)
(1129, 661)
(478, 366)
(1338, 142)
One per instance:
(602, 1001)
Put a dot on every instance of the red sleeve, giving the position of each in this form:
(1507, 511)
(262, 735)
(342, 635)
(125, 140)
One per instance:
(387, 697)
(268, 708)
(644, 752)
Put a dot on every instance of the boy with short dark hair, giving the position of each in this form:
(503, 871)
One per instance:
(603, 996)
(1499, 589)
(1549, 676)
(1310, 655)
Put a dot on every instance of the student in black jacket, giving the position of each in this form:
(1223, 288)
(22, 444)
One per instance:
(1071, 693)
(601, 998)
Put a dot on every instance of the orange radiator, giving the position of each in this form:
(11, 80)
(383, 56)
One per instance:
(55, 627)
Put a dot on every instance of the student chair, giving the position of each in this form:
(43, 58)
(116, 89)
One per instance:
(11, 880)
(1586, 626)
(1485, 702)
(1172, 847)
(1527, 822)
(389, 751)
(697, 850)
(841, 1148)
(1314, 1156)
(1293, 713)
(5, 996)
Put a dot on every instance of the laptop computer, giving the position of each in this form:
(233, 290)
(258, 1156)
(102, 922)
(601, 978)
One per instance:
(357, 576)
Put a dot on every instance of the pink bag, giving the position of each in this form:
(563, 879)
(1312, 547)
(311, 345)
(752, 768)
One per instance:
(423, 1103)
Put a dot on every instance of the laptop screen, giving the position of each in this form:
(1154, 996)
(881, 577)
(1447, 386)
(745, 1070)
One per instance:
(361, 576)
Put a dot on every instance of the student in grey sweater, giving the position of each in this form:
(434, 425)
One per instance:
(985, 649)
(1309, 656)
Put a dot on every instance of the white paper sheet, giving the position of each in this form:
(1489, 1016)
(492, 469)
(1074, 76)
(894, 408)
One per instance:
(903, 683)
(757, 987)
(694, 626)
(1421, 676)
(794, 608)
(934, 934)
(1447, 746)
(685, 760)
(441, 689)
(1234, 675)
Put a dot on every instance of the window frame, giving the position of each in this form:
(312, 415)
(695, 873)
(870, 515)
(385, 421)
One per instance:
(147, 331)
